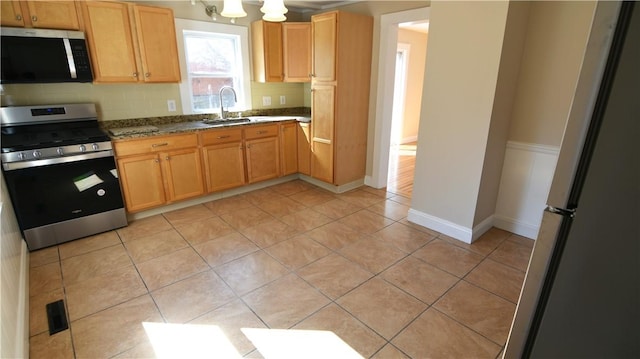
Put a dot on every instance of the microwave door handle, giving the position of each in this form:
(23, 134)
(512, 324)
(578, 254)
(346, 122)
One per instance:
(72, 64)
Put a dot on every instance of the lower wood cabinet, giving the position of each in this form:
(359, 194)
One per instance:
(159, 170)
(262, 152)
(223, 155)
(304, 148)
(289, 148)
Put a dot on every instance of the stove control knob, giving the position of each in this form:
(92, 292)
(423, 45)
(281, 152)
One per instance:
(60, 151)
(21, 156)
(83, 148)
(95, 146)
(37, 154)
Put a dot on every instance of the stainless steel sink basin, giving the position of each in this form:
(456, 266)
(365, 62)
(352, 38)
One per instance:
(225, 121)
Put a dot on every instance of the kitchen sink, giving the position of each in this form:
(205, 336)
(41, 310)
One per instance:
(225, 121)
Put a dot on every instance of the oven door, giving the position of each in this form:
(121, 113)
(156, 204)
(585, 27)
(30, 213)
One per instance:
(48, 194)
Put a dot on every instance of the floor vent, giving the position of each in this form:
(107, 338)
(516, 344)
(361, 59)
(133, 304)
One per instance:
(57, 317)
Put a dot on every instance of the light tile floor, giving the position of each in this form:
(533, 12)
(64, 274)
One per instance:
(291, 256)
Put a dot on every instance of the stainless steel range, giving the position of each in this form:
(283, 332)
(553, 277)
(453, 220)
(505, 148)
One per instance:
(60, 173)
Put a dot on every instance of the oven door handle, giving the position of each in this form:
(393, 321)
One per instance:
(54, 161)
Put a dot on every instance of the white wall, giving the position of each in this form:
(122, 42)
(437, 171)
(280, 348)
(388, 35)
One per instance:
(14, 284)
(463, 61)
(554, 50)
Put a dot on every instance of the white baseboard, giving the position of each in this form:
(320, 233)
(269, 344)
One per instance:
(482, 228)
(517, 227)
(440, 225)
(409, 139)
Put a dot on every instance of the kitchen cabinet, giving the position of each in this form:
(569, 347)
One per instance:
(266, 45)
(289, 148)
(262, 152)
(304, 148)
(40, 14)
(223, 155)
(296, 38)
(131, 43)
(159, 170)
(341, 69)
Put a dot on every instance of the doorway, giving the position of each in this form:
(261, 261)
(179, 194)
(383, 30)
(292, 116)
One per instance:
(390, 28)
(407, 100)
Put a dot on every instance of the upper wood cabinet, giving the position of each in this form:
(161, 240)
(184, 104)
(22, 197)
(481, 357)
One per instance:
(11, 14)
(281, 51)
(296, 38)
(131, 43)
(323, 33)
(40, 14)
(266, 45)
(342, 45)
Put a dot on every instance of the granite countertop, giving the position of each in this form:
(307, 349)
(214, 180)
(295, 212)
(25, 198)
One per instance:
(156, 126)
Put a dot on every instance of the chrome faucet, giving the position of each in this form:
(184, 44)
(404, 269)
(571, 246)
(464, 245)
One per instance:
(235, 98)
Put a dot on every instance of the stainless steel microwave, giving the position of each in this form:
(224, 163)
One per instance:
(43, 56)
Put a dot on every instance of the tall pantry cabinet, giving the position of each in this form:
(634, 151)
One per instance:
(341, 71)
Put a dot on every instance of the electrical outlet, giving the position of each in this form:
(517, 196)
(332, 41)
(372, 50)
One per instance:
(283, 100)
(266, 100)
(171, 105)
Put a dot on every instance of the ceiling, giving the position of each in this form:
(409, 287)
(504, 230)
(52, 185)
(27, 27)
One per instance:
(306, 6)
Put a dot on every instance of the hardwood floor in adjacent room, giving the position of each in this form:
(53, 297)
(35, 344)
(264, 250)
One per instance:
(402, 160)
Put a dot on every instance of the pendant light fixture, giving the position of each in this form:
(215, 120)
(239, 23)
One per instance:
(274, 10)
(233, 9)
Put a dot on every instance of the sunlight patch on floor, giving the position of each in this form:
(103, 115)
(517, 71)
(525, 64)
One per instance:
(209, 341)
(189, 341)
(290, 343)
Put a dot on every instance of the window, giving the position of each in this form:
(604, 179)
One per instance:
(212, 56)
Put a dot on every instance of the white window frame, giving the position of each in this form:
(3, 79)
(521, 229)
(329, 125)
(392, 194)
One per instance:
(244, 94)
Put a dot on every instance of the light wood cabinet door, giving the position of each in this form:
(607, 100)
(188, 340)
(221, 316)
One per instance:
(53, 14)
(263, 159)
(289, 148)
(304, 148)
(142, 184)
(156, 35)
(322, 132)
(323, 40)
(266, 45)
(224, 166)
(296, 39)
(109, 36)
(182, 173)
(11, 14)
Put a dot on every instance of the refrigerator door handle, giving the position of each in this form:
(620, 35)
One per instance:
(570, 213)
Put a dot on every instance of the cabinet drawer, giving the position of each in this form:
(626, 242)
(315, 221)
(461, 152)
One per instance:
(215, 137)
(261, 131)
(155, 144)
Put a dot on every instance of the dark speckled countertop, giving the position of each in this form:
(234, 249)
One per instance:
(155, 126)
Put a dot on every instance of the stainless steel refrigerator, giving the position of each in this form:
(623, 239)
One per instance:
(581, 295)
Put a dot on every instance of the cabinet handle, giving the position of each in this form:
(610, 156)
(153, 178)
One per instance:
(261, 132)
(167, 158)
(156, 160)
(19, 17)
(312, 75)
(248, 146)
(159, 144)
(135, 74)
(34, 18)
(147, 74)
(221, 137)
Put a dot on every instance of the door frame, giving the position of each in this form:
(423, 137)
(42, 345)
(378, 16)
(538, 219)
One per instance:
(384, 98)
